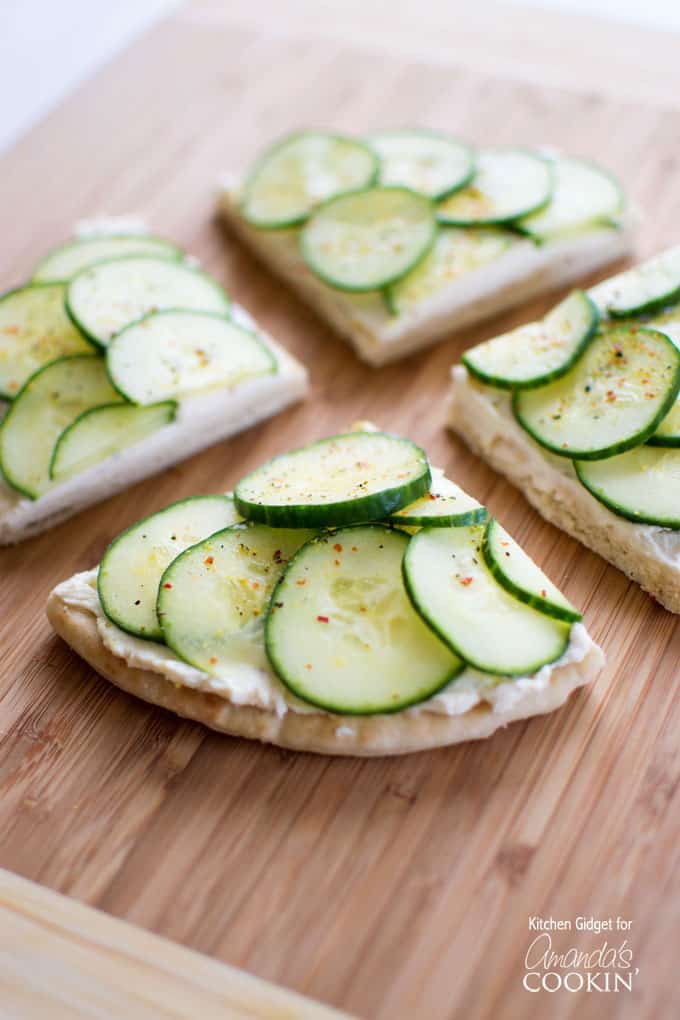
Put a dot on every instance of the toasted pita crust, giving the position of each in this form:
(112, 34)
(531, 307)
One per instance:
(562, 501)
(318, 732)
(479, 296)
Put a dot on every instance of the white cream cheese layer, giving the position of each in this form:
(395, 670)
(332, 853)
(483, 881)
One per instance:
(487, 412)
(259, 687)
(522, 271)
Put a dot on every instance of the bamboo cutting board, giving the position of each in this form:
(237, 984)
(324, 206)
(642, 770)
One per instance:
(389, 888)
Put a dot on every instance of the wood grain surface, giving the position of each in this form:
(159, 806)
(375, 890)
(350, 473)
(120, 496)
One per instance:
(63, 961)
(388, 888)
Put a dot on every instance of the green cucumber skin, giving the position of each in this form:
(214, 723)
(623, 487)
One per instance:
(178, 253)
(504, 221)
(271, 649)
(298, 221)
(172, 414)
(3, 473)
(95, 341)
(114, 542)
(364, 510)
(625, 444)
(542, 605)
(479, 516)
(384, 285)
(35, 285)
(483, 668)
(670, 442)
(647, 307)
(168, 311)
(500, 383)
(429, 133)
(672, 523)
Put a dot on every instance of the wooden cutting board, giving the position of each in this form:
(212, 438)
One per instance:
(388, 888)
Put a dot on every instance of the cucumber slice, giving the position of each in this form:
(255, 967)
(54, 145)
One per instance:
(173, 353)
(107, 296)
(51, 399)
(667, 322)
(341, 632)
(509, 183)
(433, 164)
(613, 399)
(62, 263)
(642, 485)
(455, 252)
(132, 566)
(457, 595)
(346, 479)
(584, 196)
(34, 330)
(539, 352)
(102, 431)
(213, 598)
(368, 239)
(444, 506)
(299, 172)
(645, 288)
(518, 574)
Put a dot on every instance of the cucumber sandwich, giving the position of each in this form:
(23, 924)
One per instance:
(118, 358)
(346, 598)
(582, 412)
(403, 236)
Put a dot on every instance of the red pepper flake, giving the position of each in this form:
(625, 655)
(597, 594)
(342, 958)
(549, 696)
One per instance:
(308, 665)
(167, 585)
(213, 659)
(337, 563)
(209, 560)
(12, 330)
(431, 495)
(465, 581)
(337, 547)
(611, 396)
(277, 556)
(543, 592)
(354, 549)
(303, 581)
(323, 619)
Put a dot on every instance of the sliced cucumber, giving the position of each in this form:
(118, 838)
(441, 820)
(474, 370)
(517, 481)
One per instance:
(645, 288)
(444, 506)
(457, 595)
(132, 566)
(51, 399)
(34, 330)
(455, 252)
(62, 263)
(299, 172)
(341, 632)
(433, 164)
(539, 352)
(584, 196)
(508, 183)
(173, 353)
(518, 574)
(102, 431)
(107, 296)
(212, 599)
(346, 479)
(668, 432)
(642, 485)
(667, 322)
(368, 239)
(613, 399)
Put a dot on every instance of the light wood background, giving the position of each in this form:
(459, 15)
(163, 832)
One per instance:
(394, 888)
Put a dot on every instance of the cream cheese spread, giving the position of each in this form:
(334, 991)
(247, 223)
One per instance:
(258, 686)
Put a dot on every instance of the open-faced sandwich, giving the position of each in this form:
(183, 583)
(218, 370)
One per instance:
(581, 412)
(346, 599)
(404, 236)
(119, 358)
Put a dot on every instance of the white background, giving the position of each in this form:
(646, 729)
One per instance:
(48, 46)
